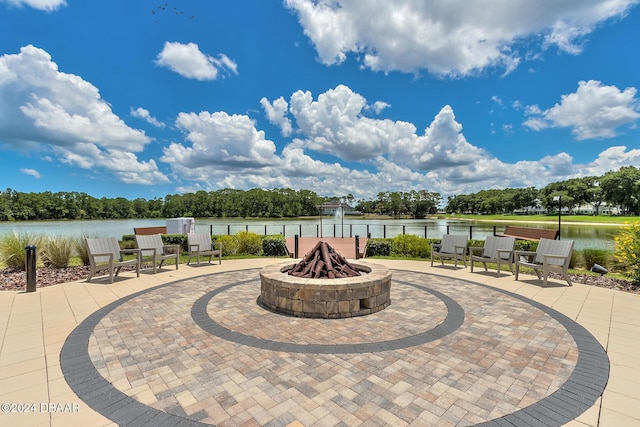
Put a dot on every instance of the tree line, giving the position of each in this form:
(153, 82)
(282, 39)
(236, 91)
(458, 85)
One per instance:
(620, 188)
(226, 202)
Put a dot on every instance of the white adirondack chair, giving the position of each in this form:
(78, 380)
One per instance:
(452, 246)
(105, 253)
(551, 255)
(496, 250)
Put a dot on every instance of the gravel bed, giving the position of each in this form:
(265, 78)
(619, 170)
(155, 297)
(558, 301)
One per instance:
(12, 279)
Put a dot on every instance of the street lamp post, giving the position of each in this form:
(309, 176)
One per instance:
(559, 200)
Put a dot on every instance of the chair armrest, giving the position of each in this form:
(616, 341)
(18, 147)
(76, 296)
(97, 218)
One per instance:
(546, 257)
(196, 246)
(218, 244)
(436, 245)
(525, 253)
(109, 254)
(504, 251)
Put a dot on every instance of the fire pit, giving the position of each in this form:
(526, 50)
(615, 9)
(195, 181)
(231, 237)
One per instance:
(365, 292)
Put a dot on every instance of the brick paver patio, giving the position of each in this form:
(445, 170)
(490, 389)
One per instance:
(193, 347)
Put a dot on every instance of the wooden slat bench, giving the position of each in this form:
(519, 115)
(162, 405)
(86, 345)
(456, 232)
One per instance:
(145, 231)
(525, 233)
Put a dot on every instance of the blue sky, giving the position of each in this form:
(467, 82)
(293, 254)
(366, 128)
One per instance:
(144, 98)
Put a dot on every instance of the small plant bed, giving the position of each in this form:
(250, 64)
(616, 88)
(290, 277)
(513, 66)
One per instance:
(13, 279)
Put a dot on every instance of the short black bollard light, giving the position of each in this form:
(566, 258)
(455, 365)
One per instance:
(30, 261)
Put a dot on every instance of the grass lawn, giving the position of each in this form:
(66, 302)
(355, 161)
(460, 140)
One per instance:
(600, 219)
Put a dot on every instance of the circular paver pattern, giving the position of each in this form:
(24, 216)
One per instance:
(446, 352)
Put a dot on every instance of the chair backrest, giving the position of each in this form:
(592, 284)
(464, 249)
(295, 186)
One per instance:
(149, 241)
(450, 241)
(202, 239)
(494, 243)
(104, 245)
(554, 247)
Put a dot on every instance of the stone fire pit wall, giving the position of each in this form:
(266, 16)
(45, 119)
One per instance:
(326, 298)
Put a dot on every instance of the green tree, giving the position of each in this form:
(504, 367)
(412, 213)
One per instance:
(622, 188)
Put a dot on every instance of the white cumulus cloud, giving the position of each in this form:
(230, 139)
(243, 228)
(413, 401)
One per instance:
(449, 38)
(144, 114)
(229, 151)
(188, 61)
(378, 106)
(46, 5)
(593, 111)
(443, 145)
(276, 112)
(46, 109)
(335, 124)
(32, 172)
(613, 158)
(220, 139)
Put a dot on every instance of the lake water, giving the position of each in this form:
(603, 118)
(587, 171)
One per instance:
(585, 235)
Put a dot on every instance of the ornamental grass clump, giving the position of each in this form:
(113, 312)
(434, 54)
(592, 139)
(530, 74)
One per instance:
(595, 256)
(80, 247)
(57, 251)
(12, 248)
(627, 251)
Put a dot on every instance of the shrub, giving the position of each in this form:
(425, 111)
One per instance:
(229, 244)
(627, 251)
(378, 247)
(127, 243)
(12, 248)
(526, 245)
(410, 246)
(176, 239)
(595, 256)
(474, 243)
(57, 251)
(249, 243)
(274, 245)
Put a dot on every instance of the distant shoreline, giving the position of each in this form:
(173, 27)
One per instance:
(613, 224)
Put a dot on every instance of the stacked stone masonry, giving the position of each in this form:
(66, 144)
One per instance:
(326, 298)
